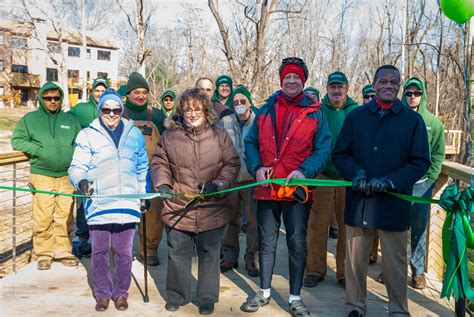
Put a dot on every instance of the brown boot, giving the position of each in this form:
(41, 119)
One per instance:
(44, 264)
(121, 303)
(418, 281)
(102, 304)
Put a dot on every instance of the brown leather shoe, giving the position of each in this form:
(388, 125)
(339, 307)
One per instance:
(252, 269)
(44, 264)
(228, 265)
(418, 281)
(121, 303)
(102, 304)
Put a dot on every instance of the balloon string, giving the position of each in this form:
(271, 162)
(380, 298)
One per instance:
(466, 97)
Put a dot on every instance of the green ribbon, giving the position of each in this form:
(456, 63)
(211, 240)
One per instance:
(457, 236)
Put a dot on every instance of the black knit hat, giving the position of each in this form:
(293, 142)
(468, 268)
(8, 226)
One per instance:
(136, 80)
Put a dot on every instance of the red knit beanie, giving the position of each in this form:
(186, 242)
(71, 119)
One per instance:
(292, 68)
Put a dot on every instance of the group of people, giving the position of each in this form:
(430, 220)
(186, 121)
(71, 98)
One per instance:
(211, 139)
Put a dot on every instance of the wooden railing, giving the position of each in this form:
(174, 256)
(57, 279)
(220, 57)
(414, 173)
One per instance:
(10, 163)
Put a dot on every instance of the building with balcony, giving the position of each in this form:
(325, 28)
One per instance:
(32, 54)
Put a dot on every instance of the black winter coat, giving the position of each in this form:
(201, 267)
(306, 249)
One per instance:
(391, 143)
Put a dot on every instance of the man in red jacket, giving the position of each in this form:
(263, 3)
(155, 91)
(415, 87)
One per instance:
(289, 138)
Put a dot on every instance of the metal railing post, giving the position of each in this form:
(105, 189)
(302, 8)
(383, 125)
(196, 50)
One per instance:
(14, 220)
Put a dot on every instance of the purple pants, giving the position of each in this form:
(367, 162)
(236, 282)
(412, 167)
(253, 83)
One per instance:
(120, 238)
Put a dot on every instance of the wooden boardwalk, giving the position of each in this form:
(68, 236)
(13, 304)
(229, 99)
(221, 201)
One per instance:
(64, 291)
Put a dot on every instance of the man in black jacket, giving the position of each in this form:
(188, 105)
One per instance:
(382, 146)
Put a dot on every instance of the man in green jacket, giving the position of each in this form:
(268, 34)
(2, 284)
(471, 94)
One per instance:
(47, 137)
(224, 88)
(415, 97)
(86, 112)
(167, 99)
(336, 104)
(151, 122)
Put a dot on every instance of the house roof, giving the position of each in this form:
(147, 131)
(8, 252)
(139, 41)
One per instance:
(70, 36)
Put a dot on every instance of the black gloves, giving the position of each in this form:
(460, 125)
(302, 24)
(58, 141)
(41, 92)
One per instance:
(164, 191)
(144, 205)
(207, 188)
(359, 182)
(84, 187)
(378, 185)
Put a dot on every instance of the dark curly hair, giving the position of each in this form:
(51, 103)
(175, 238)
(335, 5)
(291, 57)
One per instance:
(193, 96)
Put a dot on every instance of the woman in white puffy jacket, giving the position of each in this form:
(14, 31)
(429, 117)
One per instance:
(110, 159)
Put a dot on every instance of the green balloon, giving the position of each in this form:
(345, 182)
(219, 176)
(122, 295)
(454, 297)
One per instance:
(458, 10)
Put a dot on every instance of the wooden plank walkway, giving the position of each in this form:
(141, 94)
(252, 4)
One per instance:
(64, 291)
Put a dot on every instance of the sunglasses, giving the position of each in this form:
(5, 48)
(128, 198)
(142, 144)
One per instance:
(116, 111)
(243, 102)
(413, 93)
(168, 99)
(51, 98)
(369, 96)
(293, 60)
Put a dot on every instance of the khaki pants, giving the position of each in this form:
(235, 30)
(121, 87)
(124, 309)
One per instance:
(394, 267)
(52, 217)
(241, 200)
(154, 228)
(327, 201)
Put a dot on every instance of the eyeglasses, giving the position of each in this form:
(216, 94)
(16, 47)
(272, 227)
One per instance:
(413, 93)
(243, 102)
(369, 96)
(55, 98)
(196, 111)
(115, 111)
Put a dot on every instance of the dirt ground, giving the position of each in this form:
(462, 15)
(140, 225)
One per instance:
(8, 119)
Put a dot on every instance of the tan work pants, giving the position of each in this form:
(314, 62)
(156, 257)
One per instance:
(52, 217)
(327, 201)
(394, 267)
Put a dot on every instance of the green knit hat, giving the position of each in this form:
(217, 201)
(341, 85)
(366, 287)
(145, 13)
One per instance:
(101, 81)
(135, 81)
(224, 79)
(313, 90)
(368, 89)
(122, 90)
(241, 90)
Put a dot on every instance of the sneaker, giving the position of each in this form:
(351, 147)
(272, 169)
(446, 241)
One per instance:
(227, 265)
(254, 303)
(312, 280)
(297, 309)
(333, 233)
(418, 281)
(252, 269)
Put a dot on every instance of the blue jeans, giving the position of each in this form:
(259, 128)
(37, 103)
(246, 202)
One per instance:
(419, 218)
(295, 218)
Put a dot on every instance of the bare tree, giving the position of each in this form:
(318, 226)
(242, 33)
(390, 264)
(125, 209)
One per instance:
(139, 21)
